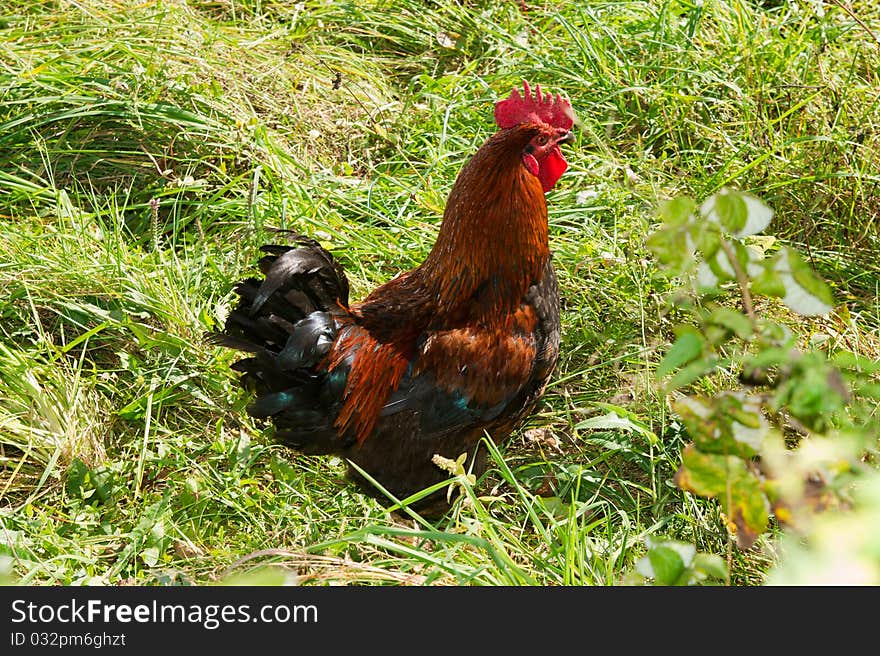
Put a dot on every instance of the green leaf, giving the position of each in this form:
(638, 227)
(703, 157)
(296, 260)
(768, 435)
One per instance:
(870, 390)
(805, 293)
(735, 322)
(706, 280)
(806, 278)
(704, 474)
(711, 565)
(759, 216)
(265, 575)
(738, 213)
(690, 373)
(726, 424)
(668, 562)
(666, 565)
(619, 420)
(670, 246)
(813, 392)
(685, 550)
(768, 283)
(77, 474)
(769, 357)
(92, 484)
(672, 562)
(737, 489)
(730, 210)
(855, 361)
(743, 255)
(707, 238)
(555, 507)
(720, 266)
(686, 348)
(150, 556)
(677, 211)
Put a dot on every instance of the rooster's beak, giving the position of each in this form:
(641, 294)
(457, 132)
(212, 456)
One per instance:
(567, 138)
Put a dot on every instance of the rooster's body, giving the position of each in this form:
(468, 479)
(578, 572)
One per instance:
(430, 361)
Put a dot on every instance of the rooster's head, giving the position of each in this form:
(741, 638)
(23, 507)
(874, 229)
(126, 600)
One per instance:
(552, 118)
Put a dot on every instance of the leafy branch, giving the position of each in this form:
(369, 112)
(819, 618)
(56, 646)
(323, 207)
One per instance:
(794, 436)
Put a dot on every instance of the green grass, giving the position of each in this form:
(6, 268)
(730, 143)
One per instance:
(146, 149)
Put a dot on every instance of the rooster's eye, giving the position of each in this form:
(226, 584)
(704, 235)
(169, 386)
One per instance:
(542, 140)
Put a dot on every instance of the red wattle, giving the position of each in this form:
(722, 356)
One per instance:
(551, 169)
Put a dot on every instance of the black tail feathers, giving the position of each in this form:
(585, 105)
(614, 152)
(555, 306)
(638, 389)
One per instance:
(303, 288)
(287, 322)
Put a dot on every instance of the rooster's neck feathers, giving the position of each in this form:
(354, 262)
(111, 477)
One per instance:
(493, 241)
(492, 246)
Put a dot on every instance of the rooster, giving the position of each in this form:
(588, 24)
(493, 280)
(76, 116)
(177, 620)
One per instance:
(435, 358)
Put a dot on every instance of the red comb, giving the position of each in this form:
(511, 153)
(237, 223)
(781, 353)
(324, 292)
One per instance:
(516, 109)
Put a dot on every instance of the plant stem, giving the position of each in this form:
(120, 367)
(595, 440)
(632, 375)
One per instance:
(741, 279)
